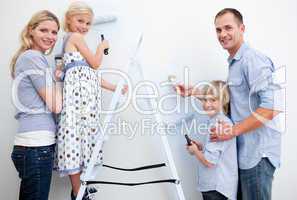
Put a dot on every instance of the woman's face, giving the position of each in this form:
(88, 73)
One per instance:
(44, 36)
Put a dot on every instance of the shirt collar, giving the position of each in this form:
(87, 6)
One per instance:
(215, 116)
(239, 53)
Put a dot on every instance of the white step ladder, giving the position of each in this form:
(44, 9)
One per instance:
(88, 176)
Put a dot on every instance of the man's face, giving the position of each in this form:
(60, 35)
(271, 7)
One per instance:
(229, 32)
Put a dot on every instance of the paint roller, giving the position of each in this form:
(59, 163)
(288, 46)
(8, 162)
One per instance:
(103, 19)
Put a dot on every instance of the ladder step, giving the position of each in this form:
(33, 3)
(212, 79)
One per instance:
(138, 168)
(174, 181)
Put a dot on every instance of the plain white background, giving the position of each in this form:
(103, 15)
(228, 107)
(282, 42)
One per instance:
(176, 34)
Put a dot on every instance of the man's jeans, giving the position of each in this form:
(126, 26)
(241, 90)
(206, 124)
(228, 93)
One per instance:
(34, 165)
(256, 183)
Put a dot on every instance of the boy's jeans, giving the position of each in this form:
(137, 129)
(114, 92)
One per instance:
(256, 183)
(34, 165)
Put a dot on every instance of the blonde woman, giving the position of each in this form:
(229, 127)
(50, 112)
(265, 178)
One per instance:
(36, 98)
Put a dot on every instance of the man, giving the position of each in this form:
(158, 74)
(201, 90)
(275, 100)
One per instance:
(252, 108)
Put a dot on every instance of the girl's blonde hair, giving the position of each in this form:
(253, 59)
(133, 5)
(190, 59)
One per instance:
(218, 90)
(25, 37)
(76, 8)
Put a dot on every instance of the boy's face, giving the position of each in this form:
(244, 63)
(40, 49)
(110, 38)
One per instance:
(211, 105)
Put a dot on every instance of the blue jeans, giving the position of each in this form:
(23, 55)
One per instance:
(256, 183)
(34, 166)
(213, 195)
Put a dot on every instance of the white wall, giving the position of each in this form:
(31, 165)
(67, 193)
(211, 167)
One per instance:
(176, 34)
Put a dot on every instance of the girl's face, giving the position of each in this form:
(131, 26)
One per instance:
(211, 105)
(44, 36)
(80, 23)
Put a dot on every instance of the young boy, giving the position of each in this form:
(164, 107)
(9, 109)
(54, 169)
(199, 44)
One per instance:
(217, 166)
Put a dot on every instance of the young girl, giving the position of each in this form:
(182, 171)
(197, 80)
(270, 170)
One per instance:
(37, 97)
(217, 169)
(79, 121)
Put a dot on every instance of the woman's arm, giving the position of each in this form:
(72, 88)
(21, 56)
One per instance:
(52, 96)
(94, 60)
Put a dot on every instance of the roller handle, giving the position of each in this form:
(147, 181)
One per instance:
(188, 139)
(105, 50)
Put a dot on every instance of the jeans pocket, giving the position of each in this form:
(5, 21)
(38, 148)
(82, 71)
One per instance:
(46, 153)
(18, 159)
(268, 167)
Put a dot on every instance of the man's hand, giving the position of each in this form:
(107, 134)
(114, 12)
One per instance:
(222, 131)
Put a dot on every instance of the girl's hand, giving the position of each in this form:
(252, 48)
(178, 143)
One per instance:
(125, 89)
(104, 45)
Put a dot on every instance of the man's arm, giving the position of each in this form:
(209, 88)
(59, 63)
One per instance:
(256, 120)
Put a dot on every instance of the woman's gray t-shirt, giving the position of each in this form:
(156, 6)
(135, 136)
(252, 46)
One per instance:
(32, 73)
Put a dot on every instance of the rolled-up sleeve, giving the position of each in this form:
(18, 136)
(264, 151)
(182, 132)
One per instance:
(259, 73)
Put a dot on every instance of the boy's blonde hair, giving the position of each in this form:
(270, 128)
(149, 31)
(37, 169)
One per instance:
(25, 37)
(76, 8)
(218, 90)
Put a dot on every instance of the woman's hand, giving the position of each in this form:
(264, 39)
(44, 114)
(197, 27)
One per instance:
(58, 74)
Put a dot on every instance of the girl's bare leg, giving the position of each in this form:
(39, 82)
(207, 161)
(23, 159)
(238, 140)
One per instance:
(75, 182)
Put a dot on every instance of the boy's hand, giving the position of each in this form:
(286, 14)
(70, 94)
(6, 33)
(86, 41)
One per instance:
(182, 90)
(198, 144)
(192, 148)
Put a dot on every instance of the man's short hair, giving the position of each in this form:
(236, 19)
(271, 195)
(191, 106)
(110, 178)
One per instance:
(236, 13)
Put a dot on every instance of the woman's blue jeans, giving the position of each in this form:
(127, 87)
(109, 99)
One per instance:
(34, 166)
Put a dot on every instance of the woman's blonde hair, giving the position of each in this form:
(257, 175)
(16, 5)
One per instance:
(218, 90)
(25, 37)
(76, 8)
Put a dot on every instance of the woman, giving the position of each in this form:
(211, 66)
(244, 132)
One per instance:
(36, 97)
